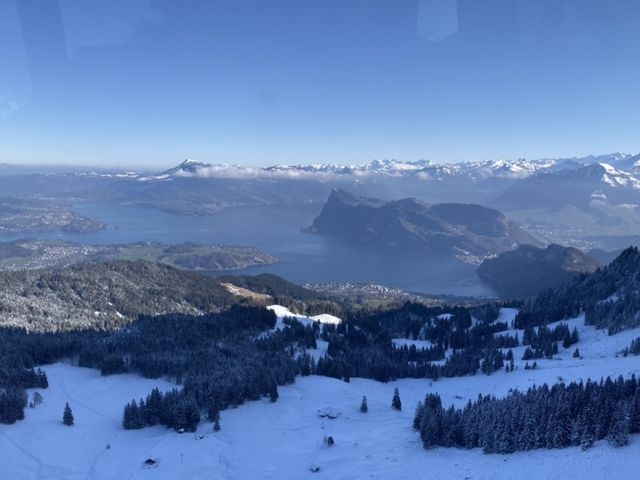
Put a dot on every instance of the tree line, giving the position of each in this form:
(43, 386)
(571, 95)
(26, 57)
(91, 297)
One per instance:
(542, 417)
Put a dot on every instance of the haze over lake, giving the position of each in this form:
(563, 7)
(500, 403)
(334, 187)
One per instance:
(277, 230)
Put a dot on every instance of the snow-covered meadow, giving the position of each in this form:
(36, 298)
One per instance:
(283, 439)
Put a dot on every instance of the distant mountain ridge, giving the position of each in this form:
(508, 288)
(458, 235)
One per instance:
(580, 201)
(580, 186)
(528, 270)
(424, 169)
(466, 231)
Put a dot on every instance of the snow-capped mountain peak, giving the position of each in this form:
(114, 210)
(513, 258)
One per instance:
(586, 167)
(606, 173)
(187, 168)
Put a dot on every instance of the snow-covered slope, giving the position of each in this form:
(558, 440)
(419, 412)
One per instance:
(283, 312)
(282, 440)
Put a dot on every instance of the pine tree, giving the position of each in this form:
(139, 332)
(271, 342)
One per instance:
(273, 393)
(364, 408)
(396, 403)
(575, 338)
(587, 435)
(216, 425)
(561, 435)
(431, 421)
(213, 413)
(505, 443)
(417, 418)
(618, 435)
(127, 417)
(154, 407)
(634, 426)
(141, 420)
(67, 416)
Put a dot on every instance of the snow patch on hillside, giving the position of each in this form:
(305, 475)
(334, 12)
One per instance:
(283, 312)
(406, 342)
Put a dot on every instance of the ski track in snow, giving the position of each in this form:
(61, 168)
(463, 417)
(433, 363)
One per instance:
(281, 440)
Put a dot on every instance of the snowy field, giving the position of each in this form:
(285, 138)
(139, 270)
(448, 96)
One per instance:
(282, 440)
(283, 312)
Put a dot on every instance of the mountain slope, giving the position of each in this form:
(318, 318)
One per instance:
(579, 187)
(587, 207)
(459, 229)
(107, 295)
(104, 295)
(609, 296)
(528, 270)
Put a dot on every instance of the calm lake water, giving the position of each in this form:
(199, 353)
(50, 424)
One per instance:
(276, 230)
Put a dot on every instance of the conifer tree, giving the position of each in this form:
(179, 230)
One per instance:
(575, 338)
(273, 393)
(364, 408)
(634, 424)
(587, 436)
(618, 435)
(67, 416)
(417, 418)
(396, 403)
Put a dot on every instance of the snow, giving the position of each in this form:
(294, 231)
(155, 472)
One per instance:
(419, 344)
(283, 440)
(507, 315)
(423, 169)
(611, 298)
(320, 351)
(283, 312)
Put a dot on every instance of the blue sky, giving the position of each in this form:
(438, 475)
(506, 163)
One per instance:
(151, 82)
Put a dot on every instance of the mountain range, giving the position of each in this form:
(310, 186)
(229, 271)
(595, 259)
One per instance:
(587, 202)
(423, 169)
(598, 182)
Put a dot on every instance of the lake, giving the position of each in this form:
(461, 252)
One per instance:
(276, 230)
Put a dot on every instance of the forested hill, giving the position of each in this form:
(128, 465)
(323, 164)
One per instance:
(529, 270)
(104, 295)
(107, 295)
(610, 297)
